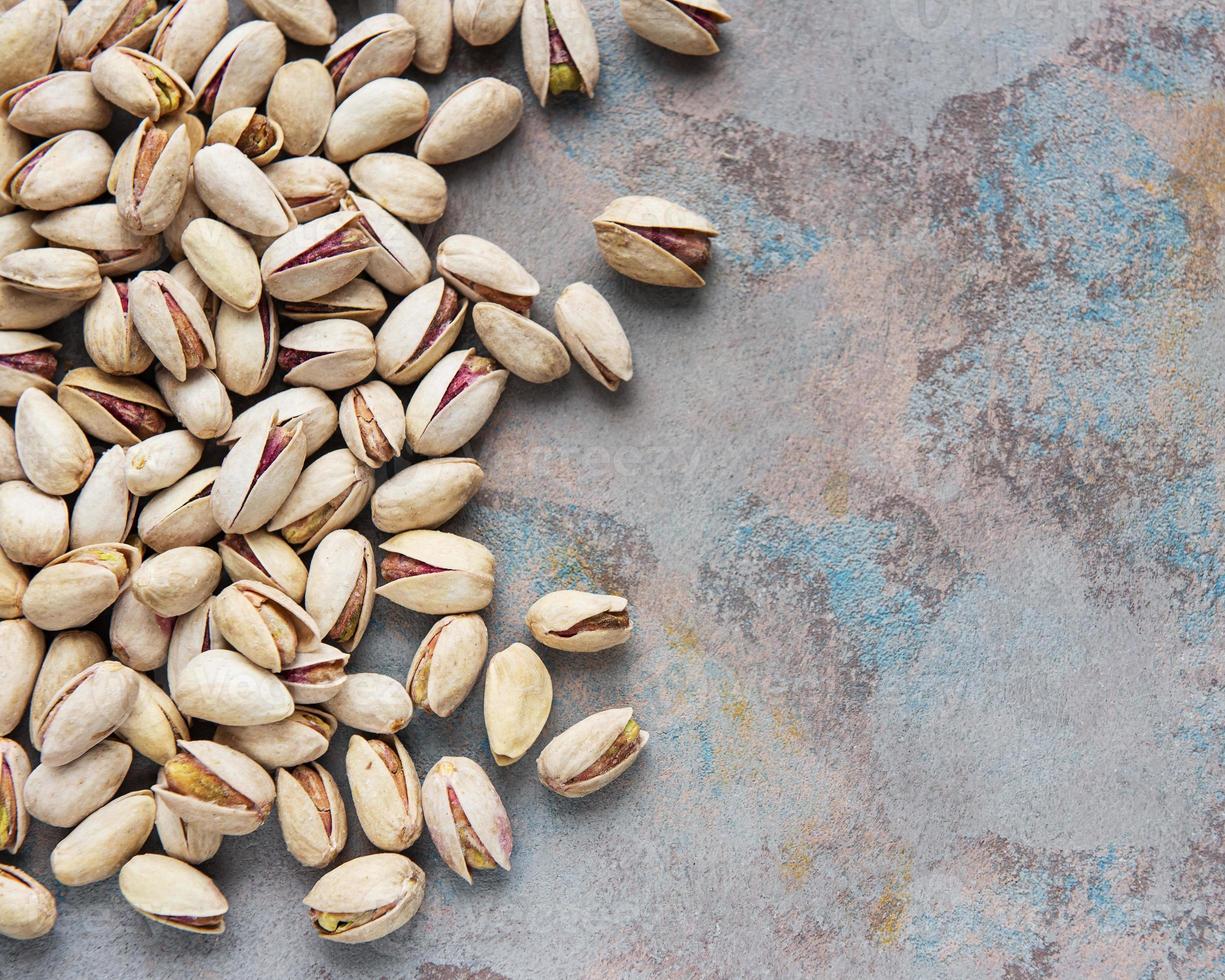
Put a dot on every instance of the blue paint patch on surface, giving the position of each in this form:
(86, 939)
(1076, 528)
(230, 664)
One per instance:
(1181, 60)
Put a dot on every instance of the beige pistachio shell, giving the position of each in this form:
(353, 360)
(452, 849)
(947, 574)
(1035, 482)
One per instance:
(239, 193)
(666, 24)
(56, 103)
(111, 340)
(240, 68)
(160, 461)
(113, 409)
(447, 664)
(407, 187)
(21, 654)
(315, 676)
(314, 258)
(14, 818)
(439, 431)
(171, 322)
(381, 112)
(187, 785)
(104, 509)
(34, 527)
(311, 811)
(472, 120)
(579, 622)
(28, 35)
(66, 170)
(316, 410)
(266, 558)
(252, 483)
(69, 654)
(181, 514)
(188, 32)
(265, 625)
(23, 310)
(522, 346)
(302, 737)
(94, 576)
(225, 261)
(399, 263)
(140, 638)
(201, 402)
(259, 137)
(155, 725)
(63, 796)
(433, 21)
(484, 22)
(87, 709)
(97, 229)
(484, 272)
(225, 687)
(371, 703)
(246, 346)
(95, 25)
(590, 329)
(13, 146)
(337, 353)
(177, 580)
(386, 794)
(190, 842)
(377, 47)
(58, 273)
(372, 423)
(359, 300)
(574, 751)
(480, 804)
(518, 699)
(331, 492)
(378, 881)
(15, 379)
(638, 257)
(305, 21)
(138, 83)
(173, 893)
(465, 583)
(151, 176)
(17, 228)
(301, 100)
(13, 582)
(27, 909)
(577, 34)
(105, 840)
(419, 332)
(340, 589)
(312, 186)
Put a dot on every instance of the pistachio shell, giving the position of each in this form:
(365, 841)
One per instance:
(193, 634)
(21, 654)
(266, 558)
(10, 465)
(171, 322)
(580, 622)
(405, 186)
(523, 346)
(386, 794)
(636, 256)
(138, 83)
(69, 654)
(481, 806)
(475, 118)
(372, 423)
(188, 32)
(95, 25)
(331, 492)
(63, 796)
(104, 510)
(151, 177)
(87, 709)
(155, 725)
(140, 638)
(305, 21)
(56, 103)
(16, 377)
(190, 209)
(419, 331)
(317, 411)
(371, 703)
(225, 687)
(99, 231)
(484, 272)
(381, 112)
(78, 573)
(34, 528)
(378, 881)
(484, 22)
(66, 170)
(340, 589)
(114, 409)
(439, 421)
(315, 675)
(166, 890)
(28, 35)
(301, 100)
(377, 47)
(14, 817)
(239, 193)
(312, 815)
(160, 461)
(570, 755)
(240, 68)
(426, 494)
(190, 842)
(225, 261)
(399, 263)
(201, 402)
(451, 574)
(577, 37)
(302, 737)
(105, 840)
(447, 664)
(27, 909)
(312, 186)
(329, 354)
(177, 580)
(58, 273)
(518, 699)
(358, 300)
(189, 786)
(590, 329)
(257, 475)
(314, 258)
(17, 228)
(265, 625)
(23, 310)
(433, 22)
(181, 514)
(666, 24)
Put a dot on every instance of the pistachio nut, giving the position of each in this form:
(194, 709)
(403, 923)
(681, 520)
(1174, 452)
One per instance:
(266, 558)
(257, 136)
(69, 654)
(225, 687)
(60, 273)
(315, 676)
(28, 35)
(201, 402)
(104, 510)
(366, 898)
(590, 755)
(225, 261)
(119, 410)
(53, 450)
(330, 493)
(686, 28)
(95, 25)
(371, 703)
(264, 624)
(160, 461)
(239, 193)
(518, 699)
(177, 580)
(419, 331)
(655, 241)
(140, 638)
(372, 423)
(426, 494)
(21, 654)
(305, 21)
(193, 634)
(190, 842)
(377, 47)
(452, 402)
(340, 589)
(399, 263)
(139, 84)
(246, 346)
(465, 817)
(314, 258)
(433, 21)
(14, 819)
(27, 909)
(182, 514)
(386, 794)
(66, 170)
(590, 329)
(94, 576)
(358, 300)
(312, 814)
(63, 796)
(473, 119)
(560, 53)
(111, 340)
(98, 230)
(105, 840)
(485, 273)
(151, 177)
(257, 475)
(317, 412)
(13, 582)
(34, 527)
(238, 71)
(381, 112)
(327, 354)
(405, 186)
(27, 360)
(10, 465)
(173, 893)
(579, 622)
(521, 345)
(302, 737)
(188, 32)
(190, 209)
(485, 22)
(312, 186)
(447, 664)
(23, 310)
(301, 100)
(216, 786)
(17, 227)
(55, 103)
(85, 710)
(437, 573)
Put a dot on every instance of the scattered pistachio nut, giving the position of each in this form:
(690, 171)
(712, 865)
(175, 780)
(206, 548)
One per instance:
(377, 47)
(405, 186)
(66, 170)
(187, 33)
(399, 262)
(69, 654)
(264, 624)
(173, 893)
(382, 112)
(560, 53)
(140, 638)
(305, 21)
(590, 755)
(200, 402)
(216, 786)
(315, 258)
(301, 738)
(225, 261)
(56, 103)
(119, 410)
(225, 687)
(316, 675)
(686, 28)
(327, 354)
(329, 494)
(311, 186)
(139, 84)
(522, 346)
(301, 100)
(426, 495)
(171, 322)
(155, 726)
(111, 339)
(386, 794)
(247, 342)
(518, 700)
(340, 589)
(316, 410)
(485, 22)
(266, 558)
(372, 423)
(466, 818)
(182, 514)
(257, 136)
(257, 475)
(239, 193)
(105, 840)
(86, 710)
(452, 402)
(473, 119)
(359, 300)
(27, 909)
(63, 796)
(371, 703)
(94, 576)
(98, 231)
(240, 68)
(161, 460)
(312, 814)
(55, 273)
(28, 37)
(483, 272)
(13, 582)
(151, 176)
(655, 241)
(447, 664)
(34, 526)
(579, 622)
(437, 573)
(177, 580)
(433, 21)
(95, 25)
(104, 509)
(366, 898)
(590, 329)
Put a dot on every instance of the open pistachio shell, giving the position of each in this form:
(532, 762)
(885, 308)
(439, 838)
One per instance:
(193, 634)
(200, 402)
(66, 170)
(27, 360)
(240, 68)
(486, 273)
(173, 324)
(188, 32)
(14, 818)
(316, 410)
(386, 794)
(265, 625)
(475, 118)
(216, 786)
(301, 99)
(387, 887)
(246, 346)
(63, 796)
(340, 589)
(372, 423)
(522, 346)
(95, 25)
(105, 840)
(311, 811)
(21, 654)
(359, 300)
(419, 332)
(34, 527)
(328, 354)
(155, 725)
(104, 510)
(377, 47)
(315, 676)
(94, 576)
(98, 231)
(619, 235)
(329, 494)
(266, 558)
(119, 410)
(27, 909)
(311, 186)
(55, 103)
(452, 402)
(518, 699)
(302, 737)
(669, 25)
(87, 709)
(181, 514)
(447, 664)
(437, 573)
(139, 84)
(170, 892)
(579, 622)
(371, 703)
(69, 654)
(399, 263)
(140, 638)
(151, 177)
(257, 475)
(545, 74)
(315, 258)
(177, 580)
(590, 329)
(591, 754)
(471, 830)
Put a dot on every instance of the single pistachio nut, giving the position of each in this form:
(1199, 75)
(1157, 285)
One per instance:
(119, 410)
(518, 699)
(447, 664)
(21, 654)
(216, 786)
(87, 709)
(420, 330)
(99, 231)
(686, 28)
(340, 588)
(177, 580)
(140, 638)
(188, 32)
(329, 494)
(34, 526)
(27, 360)
(316, 675)
(264, 624)
(579, 622)
(257, 136)
(13, 583)
(312, 815)
(238, 71)
(225, 261)
(311, 186)
(483, 272)
(239, 193)
(104, 510)
(433, 22)
(590, 755)
(56, 103)
(257, 475)
(327, 354)
(182, 514)
(405, 186)
(27, 909)
(94, 576)
(314, 258)
(95, 25)
(139, 84)
(151, 176)
(28, 36)
(359, 300)
(590, 329)
(111, 339)
(201, 402)
(190, 842)
(58, 273)
(63, 796)
(105, 840)
(437, 573)
(473, 119)
(399, 263)
(366, 898)
(69, 654)
(485, 22)
(173, 893)
(655, 241)
(301, 100)
(381, 112)
(160, 461)
(14, 818)
(386, 794)
(66, 170)
(247, 343)
(316, 410)
(465, 817)
(302, 737)
(223, 686)
(522, 346)
(378, 47)
(193, 634)
(560, 53)
(372, 423)
(171, 322)
(266, 558)
(371, 703)
(452, 402)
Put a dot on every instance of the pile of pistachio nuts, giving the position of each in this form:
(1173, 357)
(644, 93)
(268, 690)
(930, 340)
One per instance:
(256, 233)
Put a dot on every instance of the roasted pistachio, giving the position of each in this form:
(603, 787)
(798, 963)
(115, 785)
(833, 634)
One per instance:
(301, 99)
(104, 510)
(119, 410)
(161, 460)
(95, 25)
(111, 339)
(140, 638)
(311, 186)
(377, 47)
(27, 360)
(201, 402)
(171, 322)
(302, 737)
(408, 188)
(484, 22)
(87, 709)
(34, 526)
(518, 699)
(485, 273)
(426, 494)
(240, 68)
(372, 422)
(580, 622)
(312, 814)
(193, 634)
(592, 332)
(13, 582)
(266, 558)
(63, 796)
(28, 35)
(316, 675)
(190, 842)
(366, 898)
(94, 576)
(559, 48)
(173, 893)
(188, 32)
(437, 573)
(257, 136)
(181, 514)
(27, 909)
(371, 703)
(14, 818)
(225, 687)
(312, 406)
(419, 331)
(386, 794)
(314, 258)
(327, 354)
(56, 273)
(155, 725)
(105, 840)
(239, 193)
(66, 170)
(472, 120)
(359, 300)
(381, 112)
(177, 580)
(264, 624)
(447, 664)
(139, 84)
(216, 786)
(55, 103)
(246, 346)
(340, 589)
(98, 231)
(399, 263)
(687, 28)
(305, 21)
(655, 241)
(521, 345)
(151, 177)
(452, 402)
(465, 816)
(225, 261)
(591, 754)
(329, 494)
(69, 654)
(257, 475)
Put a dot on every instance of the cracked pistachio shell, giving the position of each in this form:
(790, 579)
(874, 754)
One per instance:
(105, 840)
(193, 634)
(173, 893)
(485, 22)
(481, 806)
(34, 527)
(381, 112)
(518, 699)
(66, 170)
(331, 492)
(59, 273)
(27, 909)
(110, 337)
(312, 186)
(155, 725)
(316, 410)
(372, 423)
(305, 21)
(28, 35)
(522, 346)
(371, 703)
(97, 230)
(225, 687)
(666, 24)
(408, 188)
(590, 329)
(151, 177)
(104, 509)
(386, 794)
(21, 655)
(14, 818)
(95, 25)
(87, 709)
(312, 814)
(171, 322)
(117, 410)
(15, 377)
(160, 461)
(438, 421)
(315, 258)
(56, 103)
(389, 887)
(257, 475)
(315, 676)
(225, 261)
(139, 84)
(441, 573)
(13, 582)
(420, 330)
(579, 622)
(302, 737)
(265, 625)
(475, 118)
(63, 796)
(377, 47)
(140, 638)
(10, 465)
(266, 558)
(177, 580)
(447, 664)
(572, 753)
(240, 68)
(635, 255)
(302, 99)
(201, 402)
(399, 263)
(190, 842)
(434, 22)
(188, 785)
(188, 32)
(340, 589)
(358, 300)
(328, 354)
(53, 450)
(246, 346)
(486, 273)
(181, 514)
(69, 654)
(577, 36)
(239, 193)
(94, 576)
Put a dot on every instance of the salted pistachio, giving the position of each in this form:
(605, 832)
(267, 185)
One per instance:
(381, 112)
(316, 675)
(327, 354)
(59, 273)
(560, 53)
(437, 573)
(190, 842)
(452, 402)
(372, 423)
(485, 273)
(190, 209)
(201, 402)
(225, 261)
(316, 410)
(447, 664)
(419, 331)
(66, 170)
(239, 193)
(140, 638)
(139, 84)
(193, 634)
(305, 21)
(399, 263)
(371, 703)
(119, 410)
(63, 796)
(105, 840)
(104, 509)
(13, 582)
(98, 230)
(359, 300)
(151, 171)
(10, 465)
(17, 228)
(314, 258)
(28, 35)
(208, 300)
(69, 654)
(686, 28)
(173, 893)
(160, 461)
(27, 909)
(386, 794)
(579, 622)
(181, 514)
(188, 32)
(301, 100)
(426, 494)
(55, 103)
(484, 22)
(34, 526)
(240, 68)
(590, 329)
(433, 22)
(93, 576)
(405, 186)
(95, 25)
(22, 310)
(257, 475)
(14, 818)
(473, 119)
(264, 624)
(216, 786)
(302, 737)
(590, 755)
(465, 816)
(340, 588)
(312, 815)
(655, 241)
(27, 360)
(21, 654)
(53, 450)
(85, 710)
(255, 135)
(110, 338)
(522, 346)
(311, 186)
(329, 494)
(266, 558)
(377, 47)
(366, 898)
(177, 580)
(518, 699)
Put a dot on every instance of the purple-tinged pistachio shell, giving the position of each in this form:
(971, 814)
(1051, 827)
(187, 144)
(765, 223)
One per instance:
(119, 410)
(98, 230)
(182, 514)
(95, 25)
(399, 263)
(316, 676)
(240, 68)
(327, 354)
(466, 818)
(684, 27)
(314, 258)
(266, 558)
(27, 360)
(590, 329)
(452, 402)
(580, 622)
(386, 794)
(151, 177)
(302, 737)
(172, 323)
(359, 300)
(311, 186)
(560, 53)
(437, 573)
(377, 47)
(420, 330)
(316, 410)
(486, 273)
(66, 170)
(257, 475)
(655, 241)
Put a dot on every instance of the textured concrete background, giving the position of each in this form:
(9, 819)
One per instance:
(917, 507)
